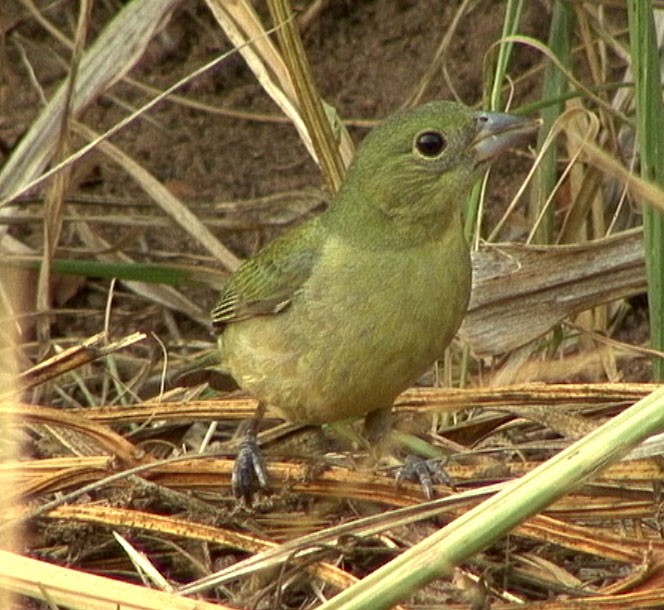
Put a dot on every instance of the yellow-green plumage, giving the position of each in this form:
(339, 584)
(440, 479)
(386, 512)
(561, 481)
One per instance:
(339, 316)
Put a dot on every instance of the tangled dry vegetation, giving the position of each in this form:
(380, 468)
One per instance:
(162, 165)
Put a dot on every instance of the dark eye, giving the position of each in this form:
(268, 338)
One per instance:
(430, 143)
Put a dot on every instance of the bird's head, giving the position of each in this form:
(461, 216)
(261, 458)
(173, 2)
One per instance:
(419, 165)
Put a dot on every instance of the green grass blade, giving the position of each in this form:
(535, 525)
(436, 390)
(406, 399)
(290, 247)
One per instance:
(436, 555)
(494, 84)
(554, 87)
(151, 273)
(650, 138)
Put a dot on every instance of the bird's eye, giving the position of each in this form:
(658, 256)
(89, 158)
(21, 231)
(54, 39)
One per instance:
(430, 143)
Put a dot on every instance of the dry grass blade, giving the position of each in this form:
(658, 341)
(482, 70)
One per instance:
(244, 28)
(620, 493)
(166, 295)
(476, 529)
(91, 349)
(582, 539)
(55, 198)
(186, 219)
(143, 565)
(164, 525)
(309, 101)
(104, 439)
(76, 589)
(641, 189)
(10, 444)
(521, 292)
(34, 478)
(185, 473)
(211, 473)
(111, 56)
(442, 400)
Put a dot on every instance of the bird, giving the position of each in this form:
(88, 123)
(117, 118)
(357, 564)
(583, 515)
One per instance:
(335, 318)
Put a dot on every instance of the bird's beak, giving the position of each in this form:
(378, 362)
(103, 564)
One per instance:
(497, 131)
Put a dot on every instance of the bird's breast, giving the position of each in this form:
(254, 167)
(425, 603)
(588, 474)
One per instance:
(363, 327)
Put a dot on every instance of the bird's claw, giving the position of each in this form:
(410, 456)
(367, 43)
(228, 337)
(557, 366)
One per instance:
(249, 472)
(426, 472)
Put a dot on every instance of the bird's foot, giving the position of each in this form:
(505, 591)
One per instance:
(424, 472)
(249, 472)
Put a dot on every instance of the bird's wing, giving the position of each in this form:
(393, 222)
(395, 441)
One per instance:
(265, 284)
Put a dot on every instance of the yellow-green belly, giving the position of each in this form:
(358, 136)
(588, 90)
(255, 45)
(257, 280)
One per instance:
(355, 335)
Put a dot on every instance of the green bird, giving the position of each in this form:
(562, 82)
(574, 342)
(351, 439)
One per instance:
(337, 317)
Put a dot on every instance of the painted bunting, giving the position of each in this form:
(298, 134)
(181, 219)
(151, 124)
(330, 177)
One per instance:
(337, 317)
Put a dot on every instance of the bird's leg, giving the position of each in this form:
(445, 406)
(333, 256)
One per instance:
(377, 425)
(424, 472)
(377, 428)
(249, 472)
(376, 433)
